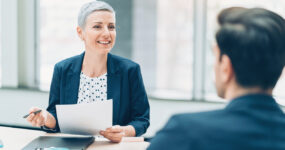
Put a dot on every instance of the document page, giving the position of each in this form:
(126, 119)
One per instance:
(85, 119)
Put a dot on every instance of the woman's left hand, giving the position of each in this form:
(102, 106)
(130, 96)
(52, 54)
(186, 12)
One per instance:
(116, 133)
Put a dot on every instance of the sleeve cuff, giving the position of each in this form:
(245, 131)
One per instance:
(49, 130)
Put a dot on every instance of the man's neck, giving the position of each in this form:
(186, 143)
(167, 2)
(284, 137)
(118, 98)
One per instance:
(237, 91)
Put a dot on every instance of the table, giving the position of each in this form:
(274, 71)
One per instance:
(16, 139)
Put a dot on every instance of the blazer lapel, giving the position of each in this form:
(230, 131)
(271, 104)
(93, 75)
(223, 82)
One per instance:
(72, 86)
(72, 81)
(113, 87)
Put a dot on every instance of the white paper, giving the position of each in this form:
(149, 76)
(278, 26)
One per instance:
(85, 119)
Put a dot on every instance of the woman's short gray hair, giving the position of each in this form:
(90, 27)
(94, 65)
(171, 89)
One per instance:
(89, 8)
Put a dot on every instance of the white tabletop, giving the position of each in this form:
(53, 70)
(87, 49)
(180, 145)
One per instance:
(16, 139)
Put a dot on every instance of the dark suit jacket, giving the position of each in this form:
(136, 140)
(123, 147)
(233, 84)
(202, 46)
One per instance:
(124, 85)
(251, 122)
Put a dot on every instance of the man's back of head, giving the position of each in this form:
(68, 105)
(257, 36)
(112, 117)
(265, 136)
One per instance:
(254, 40)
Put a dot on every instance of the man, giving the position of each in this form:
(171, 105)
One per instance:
(250, 55)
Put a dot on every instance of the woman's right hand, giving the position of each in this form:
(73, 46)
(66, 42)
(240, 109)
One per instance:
(44, 118)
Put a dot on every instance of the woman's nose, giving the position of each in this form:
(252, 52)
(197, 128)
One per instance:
(105, 31)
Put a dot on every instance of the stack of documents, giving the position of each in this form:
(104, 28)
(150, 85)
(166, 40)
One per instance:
(85, 119)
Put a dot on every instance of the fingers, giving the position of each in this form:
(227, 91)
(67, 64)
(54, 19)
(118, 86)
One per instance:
(33, 109)
(114, 137)
(114, 134)
(30, 118)
(40, 121)
(115, 129)
(36, 120)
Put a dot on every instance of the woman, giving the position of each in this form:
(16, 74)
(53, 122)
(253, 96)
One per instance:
(108, 77)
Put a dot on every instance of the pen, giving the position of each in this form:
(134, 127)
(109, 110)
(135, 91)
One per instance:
(38, 111)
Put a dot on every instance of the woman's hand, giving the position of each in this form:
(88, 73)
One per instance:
(116, 133)
(44, 118)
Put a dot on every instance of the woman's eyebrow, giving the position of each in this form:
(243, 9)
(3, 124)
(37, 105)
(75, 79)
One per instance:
(102, 22)
(97, 22)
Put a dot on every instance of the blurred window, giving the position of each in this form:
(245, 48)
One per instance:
(58, 36)
(174, 49)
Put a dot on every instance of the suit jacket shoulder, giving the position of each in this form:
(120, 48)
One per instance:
(198, 121)
(122, 63)
(70, 63)
(183, 131)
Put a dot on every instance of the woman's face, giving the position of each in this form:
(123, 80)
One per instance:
(99, 33)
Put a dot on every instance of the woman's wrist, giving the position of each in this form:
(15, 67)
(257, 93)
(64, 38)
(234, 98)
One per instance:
(129, 131)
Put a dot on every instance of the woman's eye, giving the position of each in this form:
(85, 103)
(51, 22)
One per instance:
(111, 27)
(96, 27)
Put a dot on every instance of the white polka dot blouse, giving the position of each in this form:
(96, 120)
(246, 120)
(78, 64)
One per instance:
(92, 89)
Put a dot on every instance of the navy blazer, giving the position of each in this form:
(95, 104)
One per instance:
(250, 122)
(124, 85)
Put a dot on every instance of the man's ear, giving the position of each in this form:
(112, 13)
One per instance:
(80, 33)
(226, 69)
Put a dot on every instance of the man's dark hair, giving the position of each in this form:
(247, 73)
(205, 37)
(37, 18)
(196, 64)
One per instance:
(254, 40)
